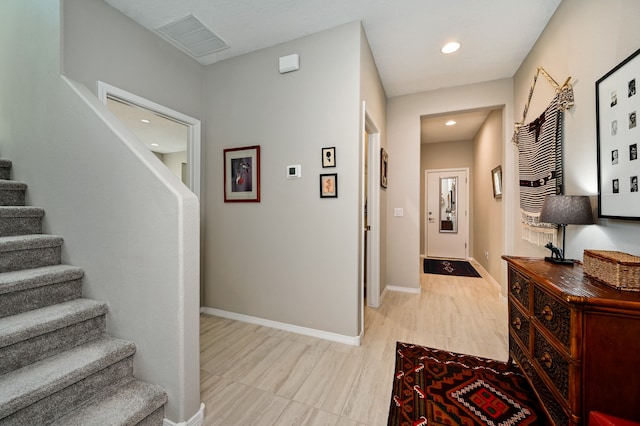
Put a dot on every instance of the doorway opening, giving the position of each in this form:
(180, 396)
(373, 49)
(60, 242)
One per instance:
(370, 217)
(447, 213)
(172, 136)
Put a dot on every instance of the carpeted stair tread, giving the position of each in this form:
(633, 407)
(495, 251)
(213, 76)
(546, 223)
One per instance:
(26, 325)
(125, 405)
(26, 242)
(12, 185)
(38, 277)
(23, 387)
(21, 211)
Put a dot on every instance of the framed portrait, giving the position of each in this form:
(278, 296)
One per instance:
(496, 180)
(242, 174)
(384, 166)
(329, 185)
(617, 105)
(329, 157)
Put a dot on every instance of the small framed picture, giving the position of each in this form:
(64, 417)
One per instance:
(242, 174)
(384, 165)
(329, 185)
(496, 179)
(329, 157)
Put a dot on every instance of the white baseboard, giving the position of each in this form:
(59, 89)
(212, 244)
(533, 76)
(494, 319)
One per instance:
(196, 420)
(402, 289)
(320, 334)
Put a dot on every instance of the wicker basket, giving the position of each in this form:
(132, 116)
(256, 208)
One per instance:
(618, 270)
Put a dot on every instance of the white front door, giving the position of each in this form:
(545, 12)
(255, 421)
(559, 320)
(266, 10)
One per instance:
(447, 216)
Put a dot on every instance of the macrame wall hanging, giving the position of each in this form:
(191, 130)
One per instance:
(540, 160)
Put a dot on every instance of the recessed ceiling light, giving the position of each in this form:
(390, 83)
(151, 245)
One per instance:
(155, 144)
(450, 47)
(450, 123)
(144, 120)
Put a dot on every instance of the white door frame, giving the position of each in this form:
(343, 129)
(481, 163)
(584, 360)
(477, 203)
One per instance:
(372, 199)
(426, 207)
(193, 135)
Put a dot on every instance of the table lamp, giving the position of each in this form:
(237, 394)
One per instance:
(565, 210)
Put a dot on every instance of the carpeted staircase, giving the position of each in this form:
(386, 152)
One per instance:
(57, 365)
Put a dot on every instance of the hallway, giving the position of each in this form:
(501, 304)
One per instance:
(262, 376)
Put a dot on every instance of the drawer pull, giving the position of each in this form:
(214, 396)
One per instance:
(547, 360)
(517, 323)
(516, 287)
(547, 313)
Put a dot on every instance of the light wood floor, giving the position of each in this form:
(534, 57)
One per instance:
(253, 375)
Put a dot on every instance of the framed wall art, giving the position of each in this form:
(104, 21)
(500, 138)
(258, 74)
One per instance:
(242, 174)
(329, 185)
(496, 179)
(384, 165)
(329, 157)
(617, 106)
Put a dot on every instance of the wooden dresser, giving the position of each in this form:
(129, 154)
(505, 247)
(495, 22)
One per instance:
(576, 339)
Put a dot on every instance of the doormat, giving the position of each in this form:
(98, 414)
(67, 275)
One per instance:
(436, 387)
(458, 268)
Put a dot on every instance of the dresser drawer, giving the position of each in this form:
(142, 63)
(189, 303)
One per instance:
(519, 287)
(519, 323)
(552, 363)
(555, 409)
(554, 315)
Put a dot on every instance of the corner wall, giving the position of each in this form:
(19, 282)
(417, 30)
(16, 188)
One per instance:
(293, 257)
(584, 39)
(66, 146)
(488, 214)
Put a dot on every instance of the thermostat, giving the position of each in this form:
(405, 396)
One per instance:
(294, 171)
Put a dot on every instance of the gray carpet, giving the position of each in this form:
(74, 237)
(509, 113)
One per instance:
(58, 365)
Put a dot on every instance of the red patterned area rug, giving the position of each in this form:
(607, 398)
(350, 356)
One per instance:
(435, 387)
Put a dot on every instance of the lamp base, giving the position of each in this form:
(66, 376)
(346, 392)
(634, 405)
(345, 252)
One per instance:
(559, 261)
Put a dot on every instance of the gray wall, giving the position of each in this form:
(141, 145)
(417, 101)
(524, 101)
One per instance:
(403, 138)
(488, 216)
(66, 146)
(293, 257)
(100, 43)
(584, 39)
(372, 93)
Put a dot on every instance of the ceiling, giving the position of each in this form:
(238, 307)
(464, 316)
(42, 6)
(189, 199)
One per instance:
(405, 35)
(159, 133)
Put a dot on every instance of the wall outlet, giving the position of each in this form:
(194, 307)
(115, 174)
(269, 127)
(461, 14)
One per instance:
(486, 255)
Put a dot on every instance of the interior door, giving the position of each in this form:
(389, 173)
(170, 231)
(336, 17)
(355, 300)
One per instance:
(447, 218)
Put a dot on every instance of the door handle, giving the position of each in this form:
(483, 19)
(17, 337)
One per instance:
(367, 228)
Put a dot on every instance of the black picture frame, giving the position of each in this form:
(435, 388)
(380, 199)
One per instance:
(329, 185)
(329, 157)
(617, 104)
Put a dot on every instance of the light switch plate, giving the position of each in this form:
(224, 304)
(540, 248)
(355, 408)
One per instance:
(398, 211)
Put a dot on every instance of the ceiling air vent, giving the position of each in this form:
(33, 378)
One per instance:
(190, 35)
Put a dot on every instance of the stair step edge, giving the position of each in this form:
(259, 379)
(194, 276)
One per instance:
(127, 404)
(21, 211)
(12, 185)
(26, 325)
(38, 277)
(26, 242)
(23, 387)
